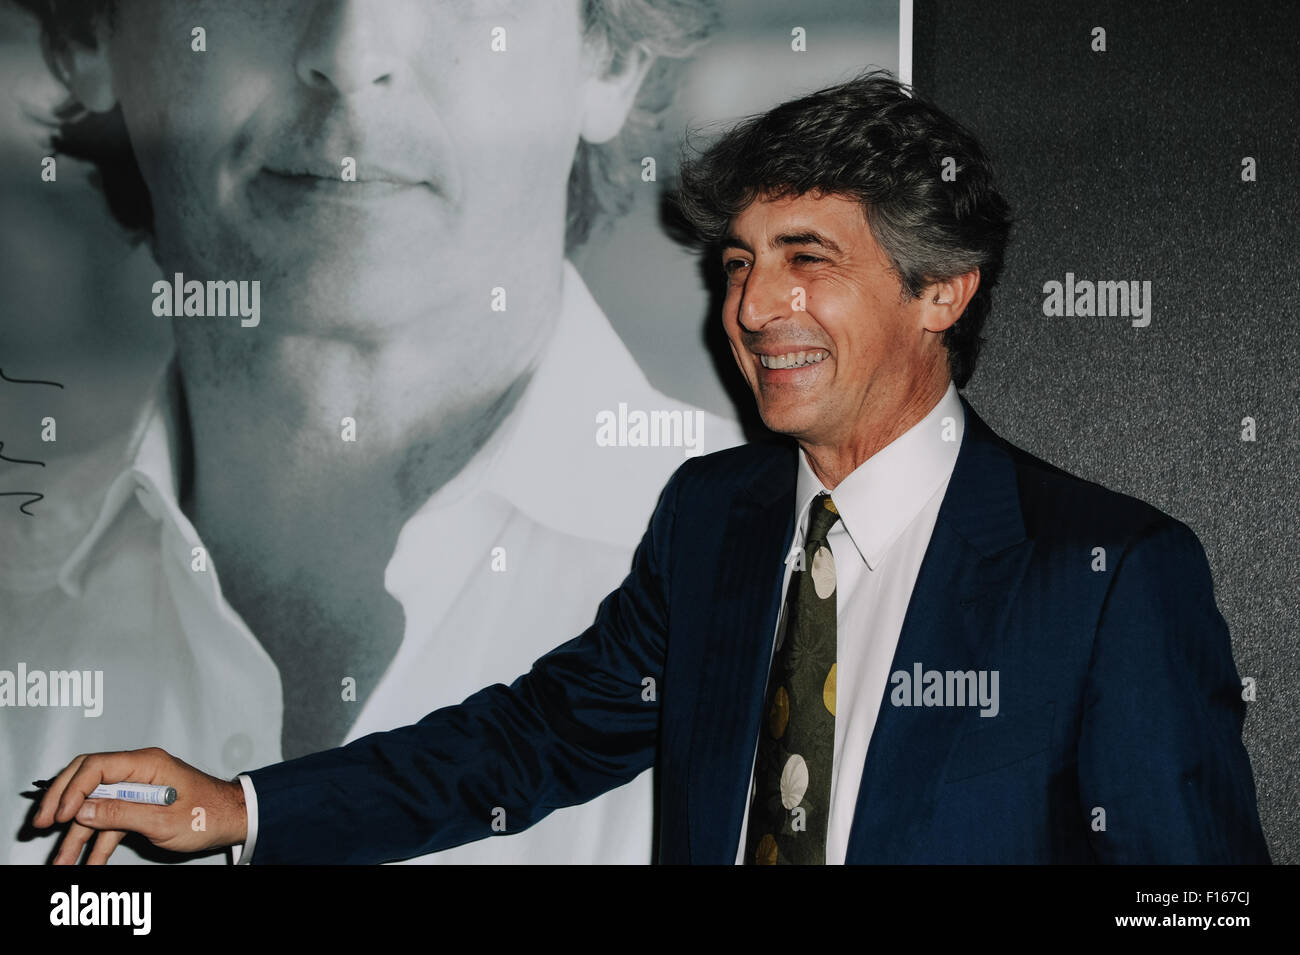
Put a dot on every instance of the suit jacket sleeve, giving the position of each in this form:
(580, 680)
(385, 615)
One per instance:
(579, 723)
(1160, 746)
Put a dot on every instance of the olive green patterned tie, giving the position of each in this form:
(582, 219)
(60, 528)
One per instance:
(796, 742)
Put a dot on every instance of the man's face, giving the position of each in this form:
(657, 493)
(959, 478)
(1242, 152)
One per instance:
(855, 350)
(462, 154)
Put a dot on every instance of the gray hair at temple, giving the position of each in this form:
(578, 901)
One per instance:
(870, 139)
(601, 181)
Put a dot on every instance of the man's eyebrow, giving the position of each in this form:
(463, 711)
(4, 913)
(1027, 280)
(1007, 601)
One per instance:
(733, 241)
(806, 238)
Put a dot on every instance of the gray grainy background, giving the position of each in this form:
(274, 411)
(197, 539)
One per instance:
(1126, 165)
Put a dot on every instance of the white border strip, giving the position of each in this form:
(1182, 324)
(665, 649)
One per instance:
(905, 41)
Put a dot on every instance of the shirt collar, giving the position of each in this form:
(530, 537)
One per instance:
(544, 442)
(886, 492)
(148, 477)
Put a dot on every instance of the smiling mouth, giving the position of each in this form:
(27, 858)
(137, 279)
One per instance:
(794, 359)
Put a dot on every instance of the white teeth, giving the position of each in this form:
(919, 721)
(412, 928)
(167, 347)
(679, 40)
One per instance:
(794, 359)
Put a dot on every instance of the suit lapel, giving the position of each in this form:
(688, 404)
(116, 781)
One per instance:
(975, 560)
(741, 627)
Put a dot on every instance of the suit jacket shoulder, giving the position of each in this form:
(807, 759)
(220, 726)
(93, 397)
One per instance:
(1056, 502)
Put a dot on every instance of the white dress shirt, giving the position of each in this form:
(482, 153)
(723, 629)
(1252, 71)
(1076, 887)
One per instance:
(102, 579)
(887, 508)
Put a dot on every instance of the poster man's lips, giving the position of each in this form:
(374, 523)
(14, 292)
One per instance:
(363, 171)
(297, 189)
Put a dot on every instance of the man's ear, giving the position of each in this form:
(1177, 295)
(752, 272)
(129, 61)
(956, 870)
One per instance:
(610, 89)
(944, 302)
(87, 74)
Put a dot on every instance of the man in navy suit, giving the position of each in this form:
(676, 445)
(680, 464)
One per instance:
(900, 640)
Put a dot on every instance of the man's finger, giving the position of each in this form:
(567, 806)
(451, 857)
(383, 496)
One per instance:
(50, 801)
(137, 766)
(74, 840)
(104, 846)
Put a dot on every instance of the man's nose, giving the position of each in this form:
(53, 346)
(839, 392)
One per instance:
(766, 296)
(350, 45)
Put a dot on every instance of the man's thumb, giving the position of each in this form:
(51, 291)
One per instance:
(117, 814)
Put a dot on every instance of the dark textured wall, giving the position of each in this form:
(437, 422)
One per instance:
(1127, 165)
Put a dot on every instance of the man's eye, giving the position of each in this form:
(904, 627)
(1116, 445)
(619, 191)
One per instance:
(805, 257)
(731, 266)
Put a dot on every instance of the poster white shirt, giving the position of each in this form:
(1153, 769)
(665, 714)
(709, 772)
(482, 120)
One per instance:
(102, 580)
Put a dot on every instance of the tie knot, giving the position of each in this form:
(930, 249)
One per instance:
(821, 518)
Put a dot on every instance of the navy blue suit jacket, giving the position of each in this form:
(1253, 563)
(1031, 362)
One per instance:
(1118, 737)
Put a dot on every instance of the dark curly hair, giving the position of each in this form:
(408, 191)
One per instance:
(873, 140)
(600, 181)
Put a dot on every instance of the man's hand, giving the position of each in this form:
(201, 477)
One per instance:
(178, 827)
